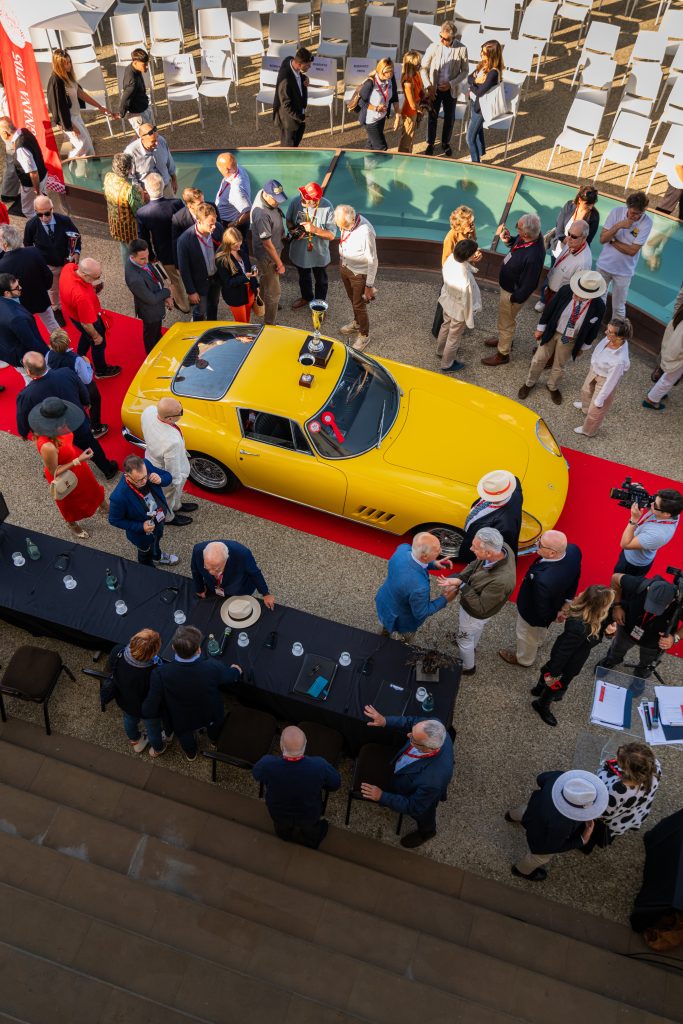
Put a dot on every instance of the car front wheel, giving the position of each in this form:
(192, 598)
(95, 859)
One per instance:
(449, 536)
(211, 474)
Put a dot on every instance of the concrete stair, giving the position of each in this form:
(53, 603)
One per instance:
(131, 893)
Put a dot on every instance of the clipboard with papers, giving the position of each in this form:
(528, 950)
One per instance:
(665, 716)
(612, 705)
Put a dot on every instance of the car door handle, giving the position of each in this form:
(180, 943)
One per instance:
(254, 455)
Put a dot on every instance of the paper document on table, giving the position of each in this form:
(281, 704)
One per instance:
(670, 700)
(654, 733)
(611, 705)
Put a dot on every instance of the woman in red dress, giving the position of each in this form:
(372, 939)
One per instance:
(52, 423)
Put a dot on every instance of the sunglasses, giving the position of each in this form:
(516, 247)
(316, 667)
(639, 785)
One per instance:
(48, 214)
(152, 131)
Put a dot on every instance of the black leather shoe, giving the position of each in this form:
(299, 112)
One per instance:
(556, 396)
(179, 520)
(414, 839)
(108, 371)
(2, 387)
(189, 506)
(428, 151)
(545, 713)
(447, 151)
(112, 471)
(468, 671)
(539, 875)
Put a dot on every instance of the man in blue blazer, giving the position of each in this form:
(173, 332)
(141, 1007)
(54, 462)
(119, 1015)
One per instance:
(197, 262)
(138, 506)
(423, 768)
(550, 584)
(19, 333)
(188, 690)
(294, 785)
(403, 602)
(226, 568)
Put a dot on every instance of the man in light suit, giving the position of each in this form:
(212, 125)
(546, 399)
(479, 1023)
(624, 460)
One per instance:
(422, 770)
(151, 297)
(403, 601)
(166, 449)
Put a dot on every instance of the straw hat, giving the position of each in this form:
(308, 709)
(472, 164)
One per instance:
(588, 284)
(580, 795)
(240, 612)
(496, 486)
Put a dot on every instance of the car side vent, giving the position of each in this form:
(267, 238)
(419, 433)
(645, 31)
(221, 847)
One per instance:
(373, 515)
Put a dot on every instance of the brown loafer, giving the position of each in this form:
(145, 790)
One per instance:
(556, 396)
(496, 360)
(299, 304)
(491, 342)
(524, 391)
(509, 656)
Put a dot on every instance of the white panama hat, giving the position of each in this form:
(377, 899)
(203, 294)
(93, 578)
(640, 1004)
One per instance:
(580, 795)
(496, 486)
(240, 611)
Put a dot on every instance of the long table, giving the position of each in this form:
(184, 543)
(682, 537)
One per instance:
(270, 674)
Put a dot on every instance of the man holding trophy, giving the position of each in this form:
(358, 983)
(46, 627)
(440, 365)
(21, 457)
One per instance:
(310, 220)
(59, 241)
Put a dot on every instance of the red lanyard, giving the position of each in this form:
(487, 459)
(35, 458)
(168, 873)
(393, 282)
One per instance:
(419, 754)
(299, 758)
(226, 184)
(384, 93)
(574, 317)
(344, 237)
(201, 240)
(568, 253)
(174, 425)
(522, 245)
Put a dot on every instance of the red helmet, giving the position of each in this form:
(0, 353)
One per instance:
(312, 191)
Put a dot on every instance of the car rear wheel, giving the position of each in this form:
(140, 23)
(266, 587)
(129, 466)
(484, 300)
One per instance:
(450, 537)
(211, 474)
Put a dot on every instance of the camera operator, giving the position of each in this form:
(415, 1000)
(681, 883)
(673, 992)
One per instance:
(642, 611)
(646, 532)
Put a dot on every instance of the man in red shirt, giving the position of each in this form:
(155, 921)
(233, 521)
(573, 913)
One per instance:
(81, 306)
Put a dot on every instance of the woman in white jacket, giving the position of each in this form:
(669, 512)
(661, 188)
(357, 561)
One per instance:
(609, 363)
(670, 361)
(460, 299)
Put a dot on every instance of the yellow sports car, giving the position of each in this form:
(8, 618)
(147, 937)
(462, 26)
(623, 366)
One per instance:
(369, 439)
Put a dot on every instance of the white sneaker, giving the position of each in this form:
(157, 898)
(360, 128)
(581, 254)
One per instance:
(577, 405)
(361, 342)
(349, 328)
(580, 430)
(539, 307)
(139, 745)
(168, 559)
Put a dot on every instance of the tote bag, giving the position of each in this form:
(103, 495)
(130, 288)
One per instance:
(494, 103)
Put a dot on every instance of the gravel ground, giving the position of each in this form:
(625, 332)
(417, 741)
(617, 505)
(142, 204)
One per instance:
(501, 744)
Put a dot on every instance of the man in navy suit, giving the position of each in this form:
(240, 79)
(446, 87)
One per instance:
(188, 689)
(550, 583)
(58, 239)
(294, 785)
(226, 568)
(499, 507)
(32, 272)
(62, 383)
(403, 601)
(197, 262)
(155, 226)
(422, 770)
(18, 331)
(138, 506)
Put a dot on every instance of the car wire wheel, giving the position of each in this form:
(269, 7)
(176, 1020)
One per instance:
(450, 537)
(211, 474)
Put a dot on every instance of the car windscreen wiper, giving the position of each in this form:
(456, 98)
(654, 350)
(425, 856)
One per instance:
(381, 424)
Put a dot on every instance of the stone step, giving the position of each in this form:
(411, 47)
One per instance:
(316, 929)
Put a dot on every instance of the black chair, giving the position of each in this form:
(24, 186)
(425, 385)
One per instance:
(321, 741)
(246, 736)
(374, 764)
(32, 675)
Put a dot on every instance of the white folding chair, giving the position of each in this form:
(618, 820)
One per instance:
(472, 39)
(283, 35)
(673, 110)
(669, 155)
(91, 80)
(468, 12)
(664, 6)
(203, 5)
(302, 9)
(262, 6)
(120, 68)
(130, 7)
(165, 34)
(384, 38)
(356, 71)
(537, 27)
(127, 34)
(596, 79)
(461, 111)
(167, 6)
(43, 41)
(422, 35)
(641, 89)
(672, 29)
(213, 29)
(602, 38)
(519, 56)
(498, 21)
(377, 9)
(335, 34)
(581, 128)
(576, 11)
(419, 11)
(74, 41)
(180, 83)
(506, 122)
(247, 37)
(82, 56)
(322, 85)
(270, 68)
(626, 142)
(217, 76)
(649, 47)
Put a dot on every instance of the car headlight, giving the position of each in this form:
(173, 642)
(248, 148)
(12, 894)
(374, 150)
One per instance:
(546, 438)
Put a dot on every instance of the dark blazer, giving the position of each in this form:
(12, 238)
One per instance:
(564, 215)
(294, 788)
(507, 520)
(590, 325)
(366, 92)
(423, 782)
(33, 274)
(127, 510)
(479, 89)
(191, 262)
(155, 226)
(55, 251)
(547, 585)
(548, 831)
(63, 383)
(131, 682)
(521, 273)
(59, 104)
(180, 222)
(570, 651)
(19, 332)
(148, 292)
(289, 102)
(235, 287)
(241, 575)
(189, 693)
(134, 98)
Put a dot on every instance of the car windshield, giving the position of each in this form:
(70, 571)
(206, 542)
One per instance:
(359, 412)
(211, 365)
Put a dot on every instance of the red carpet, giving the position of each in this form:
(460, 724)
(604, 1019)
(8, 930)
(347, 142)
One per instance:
(590, 518)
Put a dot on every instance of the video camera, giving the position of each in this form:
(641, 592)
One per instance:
(631, 492)
(672, 570)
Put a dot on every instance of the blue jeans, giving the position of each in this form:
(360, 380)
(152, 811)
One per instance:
(149, 549)
(475, 136)
(152, 726)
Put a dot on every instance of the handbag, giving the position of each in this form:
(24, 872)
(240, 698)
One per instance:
(353, 105)
(63, 484)
(259, 307)
(494, 103)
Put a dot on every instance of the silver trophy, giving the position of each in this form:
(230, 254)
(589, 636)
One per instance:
(72, 236)
(318, 308)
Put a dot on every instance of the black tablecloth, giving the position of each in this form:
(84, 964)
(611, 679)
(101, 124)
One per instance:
(269, 675)
(34, 597)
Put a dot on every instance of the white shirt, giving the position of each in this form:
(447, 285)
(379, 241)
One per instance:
(615, 262)
(566, 266)
(297, 75)
(358, 250)
(165, 446)
(567, 312)
(610, 363)
(233, 196)
(460, 296)
(377, 98)
(23, 156)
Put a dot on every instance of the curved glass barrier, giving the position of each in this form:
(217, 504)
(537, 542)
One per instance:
(411, 197)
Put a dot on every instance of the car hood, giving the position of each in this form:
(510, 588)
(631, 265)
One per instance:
(453, 440)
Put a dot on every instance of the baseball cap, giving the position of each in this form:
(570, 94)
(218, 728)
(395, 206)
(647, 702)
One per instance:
(274, 188)
(311, 191)
(659, 596)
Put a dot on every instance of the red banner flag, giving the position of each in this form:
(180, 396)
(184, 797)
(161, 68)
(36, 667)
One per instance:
(25, 97)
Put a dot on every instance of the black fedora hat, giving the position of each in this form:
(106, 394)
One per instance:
(54, 416)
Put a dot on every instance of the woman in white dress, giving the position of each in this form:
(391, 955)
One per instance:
(64, 99)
